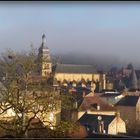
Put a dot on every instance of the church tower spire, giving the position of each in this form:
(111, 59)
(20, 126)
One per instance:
(44, 41)
(45, 64)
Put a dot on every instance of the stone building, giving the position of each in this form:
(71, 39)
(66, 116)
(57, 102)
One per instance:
(129, 108)
(70, 72)
(65, 73)
(105, 124)
(94, 105)
(44, 59)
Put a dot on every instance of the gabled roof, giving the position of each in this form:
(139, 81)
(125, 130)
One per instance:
(70, 68)
(89, 101)
(128, 101)
(91, 120)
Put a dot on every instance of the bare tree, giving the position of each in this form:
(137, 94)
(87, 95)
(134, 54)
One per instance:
(21, 101)
(24, 100)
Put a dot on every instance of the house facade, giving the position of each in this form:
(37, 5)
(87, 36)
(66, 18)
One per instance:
(67, 72)
(106, 124)
(129, 108)
(94, 105)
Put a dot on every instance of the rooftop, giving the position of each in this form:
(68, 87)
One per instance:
(70, 68)
(128, 101)
(88, 103)
(91, 120)
(110, 95)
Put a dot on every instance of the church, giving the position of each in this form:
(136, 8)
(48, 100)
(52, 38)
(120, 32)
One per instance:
(67, 74)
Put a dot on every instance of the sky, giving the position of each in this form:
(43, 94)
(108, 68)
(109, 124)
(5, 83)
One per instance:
(100, 29)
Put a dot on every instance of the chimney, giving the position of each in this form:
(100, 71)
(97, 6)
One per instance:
(99, 124)
(117, 116)
(98, 107)
(84, 94)
(102, 127)
(117, 120)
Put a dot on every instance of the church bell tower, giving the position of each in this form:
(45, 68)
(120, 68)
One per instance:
(45, 64)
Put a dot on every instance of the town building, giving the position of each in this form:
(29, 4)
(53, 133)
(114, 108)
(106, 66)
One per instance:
(129, 108)
(111, 98)
(105, 124)
(66, 73)
(94, 105)
(44, 59)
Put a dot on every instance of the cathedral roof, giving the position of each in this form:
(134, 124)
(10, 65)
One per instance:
(70, 68)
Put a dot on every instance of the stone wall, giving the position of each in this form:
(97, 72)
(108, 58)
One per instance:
(127, 113)
(77, 77)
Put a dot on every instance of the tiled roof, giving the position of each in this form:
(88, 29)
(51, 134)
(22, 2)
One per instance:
(70, 68)
(91, 120)
(128, 101)
(89, 101)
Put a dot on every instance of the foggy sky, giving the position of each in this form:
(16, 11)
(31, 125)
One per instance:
(100, 30)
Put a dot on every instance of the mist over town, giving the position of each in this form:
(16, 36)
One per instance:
(69, 70)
